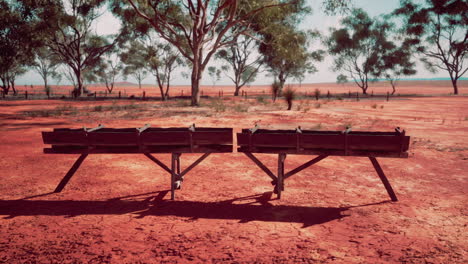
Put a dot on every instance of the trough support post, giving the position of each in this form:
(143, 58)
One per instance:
(70, 173)
(280, 183)
(383, 178)
(175, 165)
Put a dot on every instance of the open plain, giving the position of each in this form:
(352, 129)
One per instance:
(116, 208)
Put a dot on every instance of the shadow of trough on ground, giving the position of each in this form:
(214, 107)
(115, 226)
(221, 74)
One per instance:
(245, 209)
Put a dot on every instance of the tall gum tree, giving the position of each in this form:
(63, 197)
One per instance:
(242, 59)
(438, 30)
(363, 49)
(68, 26)
(199, 28)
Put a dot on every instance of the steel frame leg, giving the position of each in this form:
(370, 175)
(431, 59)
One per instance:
(383, 178)
(70, 173)
(280, 183)
(175, 169)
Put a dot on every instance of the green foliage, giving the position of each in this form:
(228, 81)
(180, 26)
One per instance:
(215, 74)
(438, 30)
(363, 51)
(341, 79)
(107, 70)
(242, 60)
(133, 59)
(18, 38)
(198, 29)
(285, 51)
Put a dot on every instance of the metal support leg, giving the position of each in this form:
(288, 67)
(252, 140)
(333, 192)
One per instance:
(383, 178)
(174, 165)
(280, 183)
(70, 173)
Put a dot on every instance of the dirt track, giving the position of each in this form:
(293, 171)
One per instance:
(116, 208)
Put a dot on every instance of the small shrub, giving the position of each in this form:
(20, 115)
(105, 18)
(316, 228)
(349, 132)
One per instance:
(218, 105)
(182, 103)
(98, 108)
(374, 106)
(261, 99)
(317, 105)
(381, 107)
(289, 95)
(318, 126)
(317, 94)
(241, 108)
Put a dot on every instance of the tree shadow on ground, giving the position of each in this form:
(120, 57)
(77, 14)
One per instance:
(245, 209)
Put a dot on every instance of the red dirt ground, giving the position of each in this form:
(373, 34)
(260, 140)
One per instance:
(116, 209)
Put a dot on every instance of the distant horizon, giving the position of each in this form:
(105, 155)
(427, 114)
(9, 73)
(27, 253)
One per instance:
(260, 84)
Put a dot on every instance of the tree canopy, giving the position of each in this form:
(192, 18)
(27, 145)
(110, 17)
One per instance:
(438, 30)
(362, 48)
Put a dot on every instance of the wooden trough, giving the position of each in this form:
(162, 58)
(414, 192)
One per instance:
(145, 140)
(322, 143)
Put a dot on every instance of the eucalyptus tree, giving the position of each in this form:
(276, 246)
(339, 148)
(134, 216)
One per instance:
(108, 70)
(161, 60)
(215, 74)
(438, 30)
(133, 59)
(363, 51)
(18, 38)
(199, 28)
(68, 25)
(46, 64)
(285, 53)
(242, 60)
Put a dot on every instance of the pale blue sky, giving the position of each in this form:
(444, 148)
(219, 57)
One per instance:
(107, 24)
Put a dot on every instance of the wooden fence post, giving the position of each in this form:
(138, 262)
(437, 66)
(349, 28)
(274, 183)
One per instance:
(120, 94)
(357, 96)
(144, 95)
(26, 95)
(388, 96)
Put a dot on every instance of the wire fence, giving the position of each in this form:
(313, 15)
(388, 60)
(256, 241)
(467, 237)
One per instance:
(153, 94)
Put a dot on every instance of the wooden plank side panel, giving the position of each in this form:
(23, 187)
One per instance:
(113, 138)
(406, 143)
(212, 137)
(165, 138)
(327, 152)
(374, 142)
(72, 138)
(333, 142)
(274, 140)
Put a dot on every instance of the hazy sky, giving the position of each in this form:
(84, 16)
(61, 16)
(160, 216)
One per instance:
(107, 24)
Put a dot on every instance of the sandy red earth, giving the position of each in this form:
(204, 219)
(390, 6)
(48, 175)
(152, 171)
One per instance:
(116, 208)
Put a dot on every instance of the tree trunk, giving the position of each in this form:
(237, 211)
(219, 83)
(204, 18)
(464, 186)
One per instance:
(196, 77)
(5, 86)
(79, 89)
(364, 88)
(13, 87)
(160, 84)
(393, 87)
(282, 80)
(455, 86)
(236, 92)
(289, 105)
